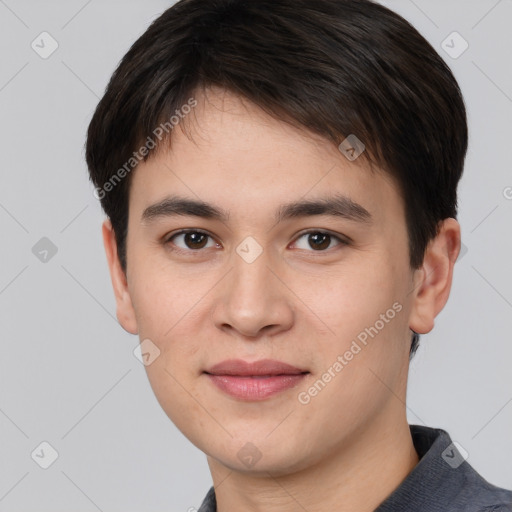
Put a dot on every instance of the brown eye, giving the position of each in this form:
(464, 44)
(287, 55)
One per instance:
(191, 240)
(195, 240)
(318, 241)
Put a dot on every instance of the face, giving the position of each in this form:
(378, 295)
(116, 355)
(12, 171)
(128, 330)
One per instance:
(262, 273)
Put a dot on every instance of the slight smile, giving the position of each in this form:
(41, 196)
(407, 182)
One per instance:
(254, 381)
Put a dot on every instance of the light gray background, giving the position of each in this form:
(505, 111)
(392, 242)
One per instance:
(68, 372)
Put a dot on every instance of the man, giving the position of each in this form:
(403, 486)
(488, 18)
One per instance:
(280, 180)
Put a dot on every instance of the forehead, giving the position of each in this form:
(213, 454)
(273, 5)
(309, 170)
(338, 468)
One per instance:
(232, 153)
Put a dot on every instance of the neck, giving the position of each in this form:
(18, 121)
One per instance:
(356, 477)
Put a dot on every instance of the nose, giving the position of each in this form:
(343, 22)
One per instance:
(254, 299)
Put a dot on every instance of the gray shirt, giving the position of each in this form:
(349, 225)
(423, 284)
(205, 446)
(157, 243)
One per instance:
(442, 481)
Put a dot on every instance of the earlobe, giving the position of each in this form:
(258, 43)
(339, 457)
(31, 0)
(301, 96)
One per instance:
(125, 311)
(433, 281)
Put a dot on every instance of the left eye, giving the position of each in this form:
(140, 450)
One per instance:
(319, 240)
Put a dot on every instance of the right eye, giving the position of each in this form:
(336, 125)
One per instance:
(189, 240)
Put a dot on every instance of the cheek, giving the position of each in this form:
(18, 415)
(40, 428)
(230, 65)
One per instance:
(160, 299)
(363, 320)
(171, 311)
(350, 301)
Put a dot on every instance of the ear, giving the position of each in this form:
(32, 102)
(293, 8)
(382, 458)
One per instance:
(433, 281)
(125, 311)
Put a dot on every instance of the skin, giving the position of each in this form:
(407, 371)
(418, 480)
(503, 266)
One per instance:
(350, 446)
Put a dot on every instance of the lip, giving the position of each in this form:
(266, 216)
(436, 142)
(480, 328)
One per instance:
(254, 381)
(242, 368)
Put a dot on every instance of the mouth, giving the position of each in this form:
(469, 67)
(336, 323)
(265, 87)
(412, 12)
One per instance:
(254, 381)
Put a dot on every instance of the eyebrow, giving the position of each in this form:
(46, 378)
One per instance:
(338, 205)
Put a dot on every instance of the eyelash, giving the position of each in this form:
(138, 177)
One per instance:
(167, 240)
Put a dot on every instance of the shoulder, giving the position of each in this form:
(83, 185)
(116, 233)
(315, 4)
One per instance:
(444, 480)
(485, 496)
